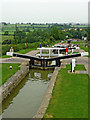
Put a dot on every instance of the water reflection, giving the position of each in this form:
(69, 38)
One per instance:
(40, 74)
(25, 100)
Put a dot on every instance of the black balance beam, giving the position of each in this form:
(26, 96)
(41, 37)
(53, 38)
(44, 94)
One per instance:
(48, 59)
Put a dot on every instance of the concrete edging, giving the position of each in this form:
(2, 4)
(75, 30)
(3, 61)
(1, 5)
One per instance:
(42, 109)
(13, 81)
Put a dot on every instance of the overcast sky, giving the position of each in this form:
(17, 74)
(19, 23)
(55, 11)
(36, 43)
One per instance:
(44, 11)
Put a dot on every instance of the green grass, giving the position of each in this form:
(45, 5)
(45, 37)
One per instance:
(5, 56)
(70, 95)
(78, 42)
(73, 52)
(77, 67)
(84, 48)
(6, 72)
(25, 50)
(55, 42)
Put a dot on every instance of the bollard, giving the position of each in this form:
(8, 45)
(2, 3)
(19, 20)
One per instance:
(72, 65)
(10, 67)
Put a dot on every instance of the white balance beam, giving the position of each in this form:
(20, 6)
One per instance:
(84, 53)
(9, 53)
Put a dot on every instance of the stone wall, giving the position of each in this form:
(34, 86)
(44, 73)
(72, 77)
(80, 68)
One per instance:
(13, 81)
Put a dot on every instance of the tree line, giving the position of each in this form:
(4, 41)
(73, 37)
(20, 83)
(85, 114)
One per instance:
(45, 35)
(39, 35)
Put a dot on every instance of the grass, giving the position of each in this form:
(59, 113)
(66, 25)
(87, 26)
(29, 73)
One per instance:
(6, 72)
(77, 67)
(55, 42)
(84, 48)
(70, 95)
(5, 56)
(23, 51)
(73, 52)
(78, 42)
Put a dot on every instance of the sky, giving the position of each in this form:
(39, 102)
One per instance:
(44, 11)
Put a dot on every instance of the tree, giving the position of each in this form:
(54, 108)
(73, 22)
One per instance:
(19, 35)
(61, 35)
(55, 33)
(6, 33)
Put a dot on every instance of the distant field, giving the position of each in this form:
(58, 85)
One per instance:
(40, 26)
(9, 27)
(7, 37)
(82, 26)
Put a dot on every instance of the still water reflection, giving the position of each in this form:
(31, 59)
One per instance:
(25, 100)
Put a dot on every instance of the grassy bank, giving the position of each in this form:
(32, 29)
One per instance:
(84, 48)
(20, 48)
(70, 95)
(24, 51)
(6, 72)
(5, 56)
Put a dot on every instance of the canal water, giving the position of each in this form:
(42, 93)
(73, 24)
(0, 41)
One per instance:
(25, 100)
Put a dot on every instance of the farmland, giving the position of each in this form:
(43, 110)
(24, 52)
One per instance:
(31, 27)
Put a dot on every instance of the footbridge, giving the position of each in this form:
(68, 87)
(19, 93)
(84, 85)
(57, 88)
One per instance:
(47, 62)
